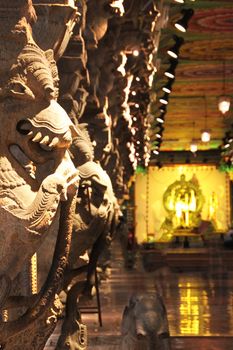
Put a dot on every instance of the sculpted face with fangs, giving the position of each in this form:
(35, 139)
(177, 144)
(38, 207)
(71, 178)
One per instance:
(36, 172)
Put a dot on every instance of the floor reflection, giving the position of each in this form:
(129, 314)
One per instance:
(199, 304)
(193, 312)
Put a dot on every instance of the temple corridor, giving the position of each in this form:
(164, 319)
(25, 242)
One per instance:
(198, 301)
(116, 120)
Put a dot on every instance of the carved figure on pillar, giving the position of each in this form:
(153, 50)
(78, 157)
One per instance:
(36, 173)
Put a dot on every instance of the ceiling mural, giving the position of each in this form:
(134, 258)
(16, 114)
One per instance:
(202, 75)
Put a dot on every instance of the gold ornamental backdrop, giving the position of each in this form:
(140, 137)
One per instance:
(157, 212)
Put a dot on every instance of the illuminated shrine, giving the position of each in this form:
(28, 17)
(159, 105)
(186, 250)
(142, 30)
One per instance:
(183, 201)
(180, 197)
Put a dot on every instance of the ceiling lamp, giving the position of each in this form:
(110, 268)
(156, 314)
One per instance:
(224, 101)
(227, 145)
(182, 24)
(159, 131)
(205, 133)
(170, 73)
(160, 119)
(179, 1)
(174, 50)
(164, 99)
(135, 53)
(163, 109)
(168, 87)
(227, 140)
(193, 146)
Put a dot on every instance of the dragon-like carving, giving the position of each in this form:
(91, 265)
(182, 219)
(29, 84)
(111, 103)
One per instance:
(36, 171)
(35, 168)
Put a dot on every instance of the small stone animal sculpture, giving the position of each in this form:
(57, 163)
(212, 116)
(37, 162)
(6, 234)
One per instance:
(144, 324)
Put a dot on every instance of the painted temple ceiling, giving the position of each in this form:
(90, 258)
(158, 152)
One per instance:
(202, 75)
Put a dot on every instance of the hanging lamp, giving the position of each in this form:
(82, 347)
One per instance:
(205, 133)
(224, 101)
(193, 144)
(182, 23)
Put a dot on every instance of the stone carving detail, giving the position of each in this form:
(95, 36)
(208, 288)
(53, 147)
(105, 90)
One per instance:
(54, 24)
(47, 153)
(92, 221)
(114, 120)
(97, 72)
(36, 171)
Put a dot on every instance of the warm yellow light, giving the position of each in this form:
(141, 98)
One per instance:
(172, 54)
(224, 104)
(118, 5)
(182, 210)
(163, 101)
(160, 120)
(192, 202)
(205, 136)
(165, 89)
(193, 147)
(135, 53)
(169, 75)
(180, 27)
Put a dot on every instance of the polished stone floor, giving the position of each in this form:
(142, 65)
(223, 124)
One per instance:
(199, 301)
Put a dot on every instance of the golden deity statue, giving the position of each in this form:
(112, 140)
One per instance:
(183, 201)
